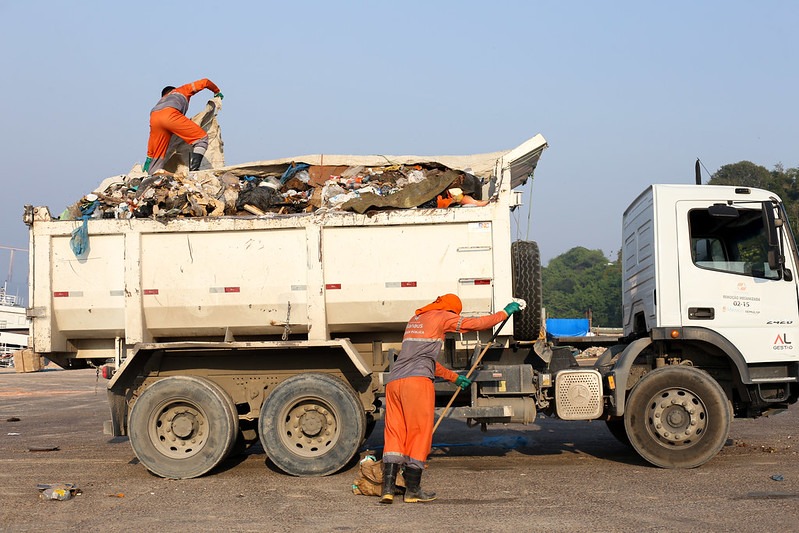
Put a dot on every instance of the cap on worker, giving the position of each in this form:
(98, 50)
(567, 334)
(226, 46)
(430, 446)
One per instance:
(447, 302)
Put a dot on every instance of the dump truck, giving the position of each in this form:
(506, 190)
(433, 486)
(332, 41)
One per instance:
(282, 328)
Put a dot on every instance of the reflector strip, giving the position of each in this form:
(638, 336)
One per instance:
(220, 290)
(150, 292)
(333, 286)
(63, 294)
(400, 284)
(475, 281)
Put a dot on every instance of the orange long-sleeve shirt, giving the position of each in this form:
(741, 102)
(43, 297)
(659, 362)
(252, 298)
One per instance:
(179, 98)
(424, 338)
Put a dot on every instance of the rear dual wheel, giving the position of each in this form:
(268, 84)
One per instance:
(312, 424)
(183, 426)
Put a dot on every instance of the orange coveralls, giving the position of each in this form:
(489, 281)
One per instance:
(169, 117)
(410, 396)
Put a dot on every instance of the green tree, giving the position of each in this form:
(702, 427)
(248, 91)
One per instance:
(581, 280)
(744, 174)
(782, 181)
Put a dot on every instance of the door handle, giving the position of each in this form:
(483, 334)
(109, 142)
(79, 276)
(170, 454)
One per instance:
(701, 313)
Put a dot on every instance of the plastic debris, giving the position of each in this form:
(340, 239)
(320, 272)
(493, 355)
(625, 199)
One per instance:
(58, 491)
(12, 419)
(777, 477)
(291, 188)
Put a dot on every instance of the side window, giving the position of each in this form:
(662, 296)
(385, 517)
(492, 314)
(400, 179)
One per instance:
(737, 245)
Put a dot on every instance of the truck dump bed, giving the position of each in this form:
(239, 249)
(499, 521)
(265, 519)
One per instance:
(317, 275)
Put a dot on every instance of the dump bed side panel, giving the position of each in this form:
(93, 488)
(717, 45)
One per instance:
(201, 283)
(143, 281)
(376, 279)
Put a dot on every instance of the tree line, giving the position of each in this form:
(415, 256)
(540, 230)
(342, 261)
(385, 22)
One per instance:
(582, 280)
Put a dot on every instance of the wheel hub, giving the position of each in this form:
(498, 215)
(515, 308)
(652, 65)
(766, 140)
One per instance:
(179, 430)
(182, 425)
(312, 423)
(310, 428)
(677, 417)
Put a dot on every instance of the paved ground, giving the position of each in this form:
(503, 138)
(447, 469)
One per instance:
(550, 476)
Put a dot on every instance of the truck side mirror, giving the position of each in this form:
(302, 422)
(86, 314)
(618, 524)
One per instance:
(776, 260)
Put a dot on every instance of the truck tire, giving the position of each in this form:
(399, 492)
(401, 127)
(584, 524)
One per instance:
(677, 417)
(526, 268)
(312, 424)
(183, 426)
(616, 428)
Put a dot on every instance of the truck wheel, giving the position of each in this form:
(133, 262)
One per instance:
(183, 426)
(616, 428)
(526, 267)
(677, 417)
(311, 424)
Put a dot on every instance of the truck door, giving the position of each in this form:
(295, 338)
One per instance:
(726, 284)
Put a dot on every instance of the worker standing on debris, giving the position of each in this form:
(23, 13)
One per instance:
(168, 117)
(410, 396)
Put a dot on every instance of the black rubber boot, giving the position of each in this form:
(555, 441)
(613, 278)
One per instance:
(413, 490)
(194, 161)
(389, 482)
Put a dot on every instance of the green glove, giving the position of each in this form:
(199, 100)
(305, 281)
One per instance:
(220, 95)
(512, 307)
(463, 382)
(146, 166)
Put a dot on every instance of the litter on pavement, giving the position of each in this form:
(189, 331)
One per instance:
(57, 491)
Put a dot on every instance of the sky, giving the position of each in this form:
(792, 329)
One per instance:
(627, 93)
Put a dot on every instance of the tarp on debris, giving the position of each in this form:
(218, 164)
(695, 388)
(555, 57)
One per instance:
(481, 165)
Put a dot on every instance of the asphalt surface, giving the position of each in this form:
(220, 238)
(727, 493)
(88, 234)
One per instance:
(548, 476)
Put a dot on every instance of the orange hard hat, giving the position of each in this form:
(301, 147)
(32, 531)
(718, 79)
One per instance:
(447, 302)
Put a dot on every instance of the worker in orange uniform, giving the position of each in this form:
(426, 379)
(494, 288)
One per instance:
(168, 117)
(410, 396)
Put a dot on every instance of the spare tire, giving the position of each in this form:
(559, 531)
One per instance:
(526, 269)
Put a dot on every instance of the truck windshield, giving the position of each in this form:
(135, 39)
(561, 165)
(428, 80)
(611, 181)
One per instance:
(736, 245)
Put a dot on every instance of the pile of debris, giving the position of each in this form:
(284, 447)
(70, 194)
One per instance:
(279, 189)
(348, 183)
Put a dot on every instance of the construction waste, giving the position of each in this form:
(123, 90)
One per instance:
(299, 188)
(305, 184)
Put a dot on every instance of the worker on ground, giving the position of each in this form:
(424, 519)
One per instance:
(410, 396)
(168, 117)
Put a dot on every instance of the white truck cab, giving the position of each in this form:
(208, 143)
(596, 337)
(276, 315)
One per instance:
(711, 313)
